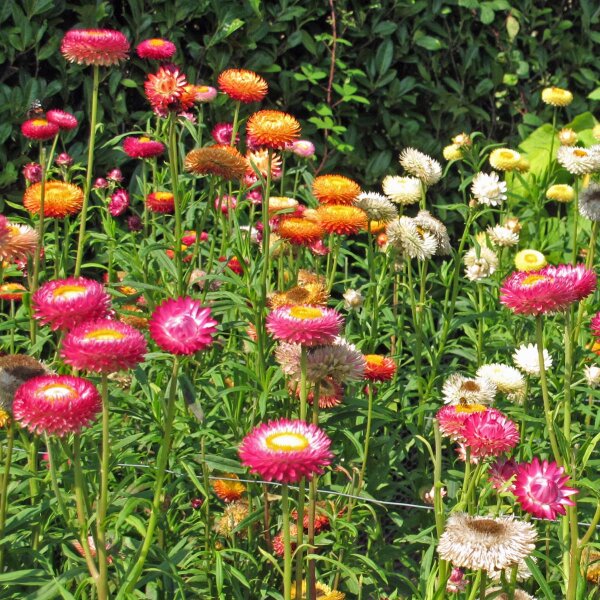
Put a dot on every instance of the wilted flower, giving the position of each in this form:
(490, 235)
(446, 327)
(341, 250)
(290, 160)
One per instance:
(463, 140)
(487, 189)
(421, 166)
(376, 206)
(119, 202)
(435, 227)
(502, 236)
(32, 172)
(458, 389)
(232, 516)
(589, 202)
(567, 137)
(411, 240)
(353, 299)
(592, 375)
(501, 474)
(456, 582)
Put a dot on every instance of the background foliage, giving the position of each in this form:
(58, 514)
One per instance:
(405, 72)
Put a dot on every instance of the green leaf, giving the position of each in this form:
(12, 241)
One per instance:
(512, 27)
(429, 43)
(383, 58)
(595, 95)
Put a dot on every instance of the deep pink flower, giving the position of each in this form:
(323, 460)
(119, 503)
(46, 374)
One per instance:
(225, 203)
(222, 133)
(115, 175)
(489, 433)
(64, 160)
(285, 450)
(142, 147)
(318, 248)
(456, 582)
(536, 293)
(452, 419)
(501, 474)
(103, 346)
(63, 119)
(119, 203)
(540, 489)
(64, 303)
(182, 326)
(595, 325)
(39, 129)
(32, 172)
(100, 183)
(582, 280)
(156, 49)
(104, 47)
(307, 325)
(56, 404)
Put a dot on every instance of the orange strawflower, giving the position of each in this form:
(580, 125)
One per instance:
(379, 368)
(243, 85)
(12, 291)
(377, 227)
(61, 199)
(341, 219)
(220, 160)
(305, 277)
(310, 293)
(335, 189)
(300, 231)
(227, 490)
(272, 128)
(258, 160)
(133, 315)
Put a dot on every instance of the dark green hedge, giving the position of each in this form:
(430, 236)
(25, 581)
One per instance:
(406, 72)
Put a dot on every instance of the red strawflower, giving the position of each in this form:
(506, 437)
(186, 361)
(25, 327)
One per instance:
(63, 119)
(161, 202)
(156, 49)
(142, 147)
(39, 129)
(379, 368)
(103, 47)
(12, 291)
(540, 489)
(56, 404)
(182, 326)
(166, 89)
(103, 346)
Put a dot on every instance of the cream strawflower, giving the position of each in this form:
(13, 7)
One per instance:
(579, 161)
(567, 137)
(458, 389)
(425, 168)
(435, 227)
(526, 358)
(505, 159)
(402, 190)
(376, 206)
(479, 263)
(452, 152)
(507, 379)
(502, 236)
(592, 375)
(410, 240)
(555, 96)
(561, 192)
(488, 189)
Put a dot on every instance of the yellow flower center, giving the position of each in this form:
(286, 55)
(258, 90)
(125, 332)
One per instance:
(286, 441)
(156, 42)
(39, 122)
(305, 312)
(163, 196)
(104, 335)
(67, 292)
(201, 89)
(507, 154)
(469, 408)
(533, 279)
(145, 139)
(58, 391)
(580, 153)
(374, 359)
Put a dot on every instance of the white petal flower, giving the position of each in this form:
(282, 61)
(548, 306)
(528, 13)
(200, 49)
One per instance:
(376, 206)
(410, 240)
(579, 161)
(402, 190)
(427, 169)
(458, 389)
(488, 189)
(480, 263)
(503, 236)
(526, 358)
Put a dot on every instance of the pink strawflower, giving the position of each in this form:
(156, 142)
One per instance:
(456, 582)
(115, 176)
(182, 326)
(64, 303)
(100, 183)
(303, 148)
(64, 160)
(56, 404)
(286, 451)
(452, 419)
(489, 433)
(63, 119)
(119, 202)
(582, 280)
(17, 242)
(39, 129)
(225, 203)
(104, 47)
(156, 49)
(540, 489)
(103, 346)
(222, 133)
(32, 172)
(501, 474)
(204, 93)
(595, 325)
(536, 293)
(306, 325)
(142, 147)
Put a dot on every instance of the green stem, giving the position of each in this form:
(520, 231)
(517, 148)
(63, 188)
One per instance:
(236, 124)
(573, 553)
(10, 437)
(163, 457)
(174, 168)
(41, 222)
(54, 479)
(103, 492)
(287, 554)
(367, 437)
(568, 341)
(575, 219)
(302, 483)
(312, 510)
(90, 167)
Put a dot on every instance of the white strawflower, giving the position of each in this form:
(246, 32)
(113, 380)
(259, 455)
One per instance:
(526, 359)
(402, 190)
(507, 379)
(352, 299)
(579, 161)
(592, 375)
(436, 228)
(503, 236)
(479, 263)
(376, 206)
(458, 389)
(488, 189)
(589, 202)
(425, 168)
(410, 240)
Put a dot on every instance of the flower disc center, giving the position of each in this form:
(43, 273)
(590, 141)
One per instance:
(305, 312)
(105, 334)
(68, 292)
(286, 442)
(54, 392)
(486, 526)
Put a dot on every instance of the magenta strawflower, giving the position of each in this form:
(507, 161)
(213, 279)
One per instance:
(64, 160)
(537, 293)
(489, 433)
(103, 47)
(56, 404)
(103, 346)
(64, 303)
(39, 129)
(182, 326)
(32, 172)
(595, 324)
(306, 325)
(540, 489)
(142, 147)
(156, 49)
(581, 279)
(452, 419)
(119, 202)
(501, 474)
(63, 119)
(286, 451)
(222, 133)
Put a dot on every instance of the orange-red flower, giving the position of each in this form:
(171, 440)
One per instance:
(228, 490)
(335, 189)
(300, 231)
(61, 199)
(168, 90)
(220, 160)
(161, 202)
(243, 85)
(341, 219)
(259, 161)
(379, 368)
(12, 291)
(272, 128)
(134, 316)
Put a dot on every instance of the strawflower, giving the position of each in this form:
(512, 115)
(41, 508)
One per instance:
(342, 219)
(273, 128)
(161, 202)
(119, 202)
(579, 161)
(102, 47)
(166, 91)
(222, 133)
(458, 389)
(530, 260)
(32, 172)
(306, 325)
(488, 190)
(504, 159)
(221, 160)
(142, 147)
(12, 292)
(156, 49)
(63, 119)
(402, 190)
(527, 359)
(421, 166)
(379, 368)
(556, 96)
(286, 451)
(561, 192)
(300, 231)
(243, 85)
(303, 148)
(61, 199)
(452, 419)
(589, 202)
(410, 240)
(489, 433)
(335, 189)
(229, 489)
(39, 129)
